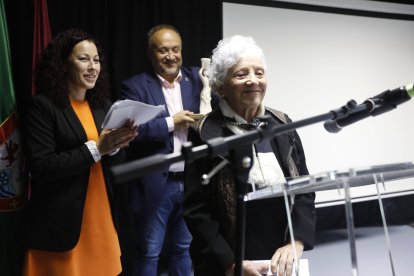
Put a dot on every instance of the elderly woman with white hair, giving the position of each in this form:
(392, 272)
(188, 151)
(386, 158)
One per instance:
(238, 74)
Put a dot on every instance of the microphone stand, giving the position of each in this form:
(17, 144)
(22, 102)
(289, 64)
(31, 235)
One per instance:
(241, 156)
(213, 147)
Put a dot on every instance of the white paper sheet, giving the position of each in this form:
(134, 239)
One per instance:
(303, 268)
(136, 111)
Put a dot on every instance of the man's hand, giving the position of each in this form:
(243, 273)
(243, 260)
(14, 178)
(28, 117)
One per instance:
(182, 120)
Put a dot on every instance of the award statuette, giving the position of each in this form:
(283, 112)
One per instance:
(205, 95)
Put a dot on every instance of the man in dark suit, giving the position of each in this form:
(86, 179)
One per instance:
(156, 198)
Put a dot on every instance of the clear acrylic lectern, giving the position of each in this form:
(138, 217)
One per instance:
(344, 179)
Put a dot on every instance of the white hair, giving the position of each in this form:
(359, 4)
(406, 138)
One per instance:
(228, 53)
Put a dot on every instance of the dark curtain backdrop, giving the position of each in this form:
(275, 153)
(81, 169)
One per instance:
(121, 28)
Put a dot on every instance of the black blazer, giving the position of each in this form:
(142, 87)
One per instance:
(59, 164)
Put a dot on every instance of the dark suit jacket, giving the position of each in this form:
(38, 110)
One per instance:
(59, 164)
(153, 136)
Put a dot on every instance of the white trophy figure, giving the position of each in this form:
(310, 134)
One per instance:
(205, 96)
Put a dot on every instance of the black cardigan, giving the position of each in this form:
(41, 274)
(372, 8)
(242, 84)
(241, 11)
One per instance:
(212, 250)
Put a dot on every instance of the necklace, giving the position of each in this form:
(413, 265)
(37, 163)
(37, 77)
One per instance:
(256, 122)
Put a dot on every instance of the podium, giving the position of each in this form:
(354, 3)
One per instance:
(344, 179)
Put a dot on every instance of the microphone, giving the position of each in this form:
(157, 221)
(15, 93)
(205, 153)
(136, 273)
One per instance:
(381, 103)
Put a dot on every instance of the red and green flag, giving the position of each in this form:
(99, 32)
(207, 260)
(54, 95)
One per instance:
(13, 182)
(13, 174)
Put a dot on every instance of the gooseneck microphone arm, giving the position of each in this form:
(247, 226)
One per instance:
(374, 106)
(213, 147)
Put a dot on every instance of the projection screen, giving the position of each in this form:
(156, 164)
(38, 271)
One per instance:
(318, 61)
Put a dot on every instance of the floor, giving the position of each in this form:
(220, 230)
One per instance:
(331, 255)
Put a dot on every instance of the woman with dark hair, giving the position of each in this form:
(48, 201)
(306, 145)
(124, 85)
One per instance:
(70, 223)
